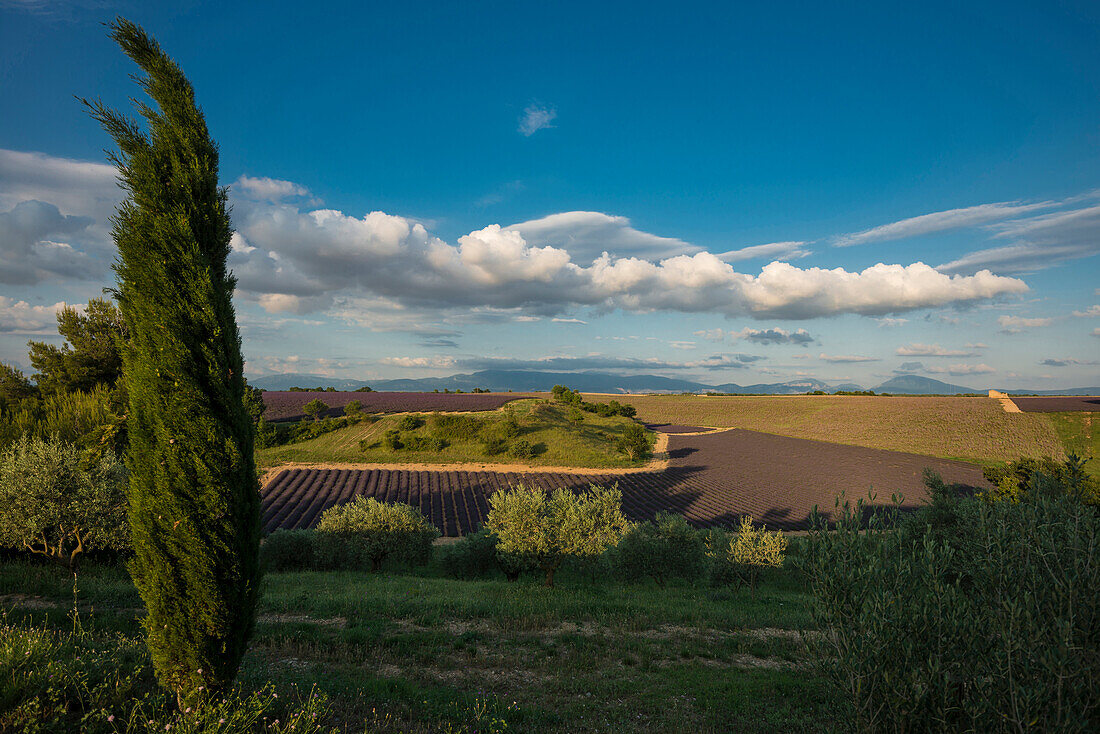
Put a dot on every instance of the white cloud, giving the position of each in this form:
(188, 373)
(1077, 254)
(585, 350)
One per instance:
(931, 350)
(263, 188)
(1040, 242)
(711, 335)
(961, 369)
(774, 251)
(1016, 324)
(429, 362)
(74, 187)
(568, 321)
(1092, 311)
(536, 117)
(587, 235)
(20, 317)
(890, 322)
(845, 358)
(940, 221)
(681, 345)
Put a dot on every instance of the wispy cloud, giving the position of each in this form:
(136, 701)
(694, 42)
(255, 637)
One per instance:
(931, 350)
(772, 251)
(1016, 324)
(1069, 362)
(940, 221)
(568, 321)
(536, 117)
(1091, 311)
(961, 369)
(846, 358)
(891, 322)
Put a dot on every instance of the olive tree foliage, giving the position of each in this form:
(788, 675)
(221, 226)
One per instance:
(193, 501)
(58, 504)
(661, 549)
(364, 533)
(545, 529)
(91, 354)
(314, 408)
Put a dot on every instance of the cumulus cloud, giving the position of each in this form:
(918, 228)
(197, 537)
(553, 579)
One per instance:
(1016, 324)
(890, 322)
(1066, 362)
(845, 358)
(908, 368)
(20, 317)
(587, 235)
(940, 221)
(774, 336)
(710, 335)
(1038, 242)
(74, 187)
(536, 117)
(1091, 311)
(931, 350)
(962, 369)
(422, 362)
(32, 248)
(773, 251)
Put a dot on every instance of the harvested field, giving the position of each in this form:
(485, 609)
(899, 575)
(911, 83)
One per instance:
(972, 429)
(285, 405)
(1067, 404)
(712, 480)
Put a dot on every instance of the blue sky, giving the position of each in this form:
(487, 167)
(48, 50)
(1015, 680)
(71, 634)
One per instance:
(429, 188)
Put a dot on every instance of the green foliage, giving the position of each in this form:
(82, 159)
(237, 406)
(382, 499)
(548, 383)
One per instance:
(365, 532)
(391, 439)
(521, 448)
(424, 443)
(58, 504)
(546, 529)
(667, 547)
(454, 426)
(87, 418)
(365, 388)
(494, 446)
(314, 408)
(634, 443)
(68, 682)
(990, 627)
(1026, 476)
(194, 504)
(410, 422)
(14, 386)
(91, 355)
(254, 402)
(752, 549)
(474, 556)
(287, 550)
(354, 407)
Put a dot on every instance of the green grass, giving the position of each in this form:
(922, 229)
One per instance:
(557, 440)
(971, 429)
(415, 651)
(1079, 434)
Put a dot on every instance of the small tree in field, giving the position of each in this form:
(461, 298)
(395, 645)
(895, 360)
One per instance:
(353, 408)
(750, 551)
(545, 529)
(314, 408)
(634, 443)
(194, 497)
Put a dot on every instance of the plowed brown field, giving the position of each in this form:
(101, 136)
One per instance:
(711, 479)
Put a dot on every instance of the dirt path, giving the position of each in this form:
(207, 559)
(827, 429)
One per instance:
(1006, 402)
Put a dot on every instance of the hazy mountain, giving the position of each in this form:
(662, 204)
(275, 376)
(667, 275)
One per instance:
(793, 387)
(289, 380)
(917, 385)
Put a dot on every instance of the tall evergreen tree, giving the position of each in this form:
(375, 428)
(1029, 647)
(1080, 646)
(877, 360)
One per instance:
(194, 500)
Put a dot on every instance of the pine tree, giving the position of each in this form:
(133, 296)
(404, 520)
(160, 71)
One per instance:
(194, 500)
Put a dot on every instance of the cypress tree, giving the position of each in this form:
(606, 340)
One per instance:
(194, 499)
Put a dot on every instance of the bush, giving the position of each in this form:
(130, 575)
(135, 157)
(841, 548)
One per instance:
(545, 529)
(410, 423)
(59, 503)
(472, 557)
(365, 532)
(634, 442)
(510, 427)
(493, 446)
(314, 408)
(391, 439)
(353, 408)
(288, 550)
(993, 626)
(1030, 476)
(450, 427)
(659, 550)
(521, 449)
(424, 443)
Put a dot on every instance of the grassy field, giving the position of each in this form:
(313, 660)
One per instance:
(1080, 434)
(547, 427)
(971, 429)
(414, 651)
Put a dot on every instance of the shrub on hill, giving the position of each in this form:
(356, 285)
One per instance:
(314, 408)
(365, 532)
(667, 547)
(410, 422)
(521, 449)
(977, 616)
(634, 443)
(58, 503)
(545, 529)
(454, 427)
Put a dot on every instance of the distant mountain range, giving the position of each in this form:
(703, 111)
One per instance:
(530, 381)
